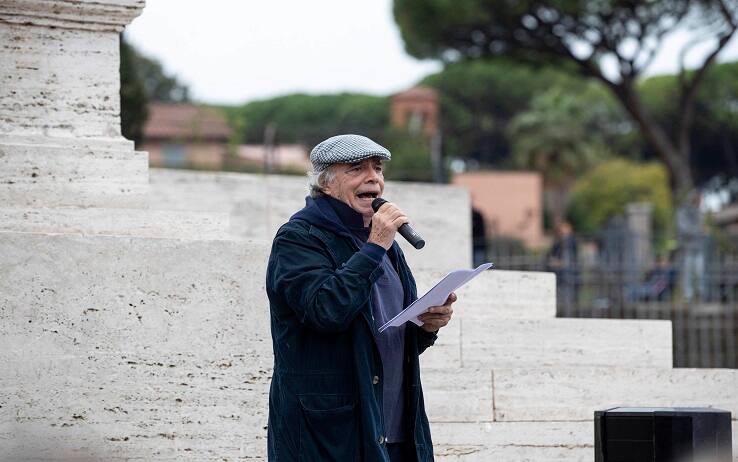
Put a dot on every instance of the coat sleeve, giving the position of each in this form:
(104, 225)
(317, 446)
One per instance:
(425, 339)
(323, 298)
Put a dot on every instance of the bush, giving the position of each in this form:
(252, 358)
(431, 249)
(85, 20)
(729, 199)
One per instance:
(411, 156)
(605, 190)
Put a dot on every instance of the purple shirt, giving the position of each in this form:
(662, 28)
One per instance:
(387, 302)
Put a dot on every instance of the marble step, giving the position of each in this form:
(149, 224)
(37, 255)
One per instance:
(115, 222)
(513, 441)
(575, 393)
(570, 394)
(59, 171)
(498, 294)
(503, 343)
(519, 441)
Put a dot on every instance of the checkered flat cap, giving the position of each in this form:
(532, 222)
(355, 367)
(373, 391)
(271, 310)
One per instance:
(347, 149)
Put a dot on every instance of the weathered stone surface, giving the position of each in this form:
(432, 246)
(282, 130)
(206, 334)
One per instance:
(59, 82)
(498, 294)
(575, 393)
(458, 395)
(565, 342)
(40, 171)
(446, 352)
(83, 165)
(260, 204)
(116, 222)
(111, 15)
(506, 343)
(128, 347)
(513, 441)
(519, 441)
(60, 135)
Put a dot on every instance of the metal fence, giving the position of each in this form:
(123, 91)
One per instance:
(607, 280)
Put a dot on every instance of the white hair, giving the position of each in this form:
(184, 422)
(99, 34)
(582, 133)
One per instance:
(316, 180)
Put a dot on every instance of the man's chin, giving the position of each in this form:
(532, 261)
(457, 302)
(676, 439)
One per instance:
(364, 205)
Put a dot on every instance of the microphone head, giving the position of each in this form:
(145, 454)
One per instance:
(378, 202)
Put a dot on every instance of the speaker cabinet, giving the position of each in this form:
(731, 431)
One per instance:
(642, 434)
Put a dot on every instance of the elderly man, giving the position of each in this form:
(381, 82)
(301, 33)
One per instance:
(342, 391)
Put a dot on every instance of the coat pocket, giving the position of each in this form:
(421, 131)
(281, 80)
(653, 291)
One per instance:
(328, 428)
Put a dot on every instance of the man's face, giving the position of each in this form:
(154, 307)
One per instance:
(358, 185)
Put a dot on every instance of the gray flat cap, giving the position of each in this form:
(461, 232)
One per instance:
(347, 149)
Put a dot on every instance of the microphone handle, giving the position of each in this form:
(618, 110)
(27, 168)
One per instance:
(411, 236)
(405, 230)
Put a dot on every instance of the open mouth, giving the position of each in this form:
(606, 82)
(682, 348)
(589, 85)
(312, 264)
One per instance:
(367, 195)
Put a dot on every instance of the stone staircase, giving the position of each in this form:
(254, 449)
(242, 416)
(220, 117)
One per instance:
(509, 381)
(157, 347)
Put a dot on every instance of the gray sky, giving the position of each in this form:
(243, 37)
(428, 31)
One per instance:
(231, 51)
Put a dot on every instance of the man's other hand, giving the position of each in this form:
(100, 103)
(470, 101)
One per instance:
(438, 316)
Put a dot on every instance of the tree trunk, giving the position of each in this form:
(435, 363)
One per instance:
(676, 158)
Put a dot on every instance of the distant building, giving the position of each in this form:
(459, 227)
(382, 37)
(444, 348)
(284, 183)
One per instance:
(510, 202)
(182, 135)
(415, 109)
(279, 158)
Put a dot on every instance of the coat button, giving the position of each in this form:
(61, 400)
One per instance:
(375, 380)
(380, 440)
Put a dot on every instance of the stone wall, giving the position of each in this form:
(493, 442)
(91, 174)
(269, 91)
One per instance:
(259, 204)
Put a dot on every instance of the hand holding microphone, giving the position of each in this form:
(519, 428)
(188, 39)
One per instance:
(389, 220)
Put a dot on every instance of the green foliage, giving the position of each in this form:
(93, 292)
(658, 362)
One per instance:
(411, 156)
(133, 97)
(159, 85)
(142, 80)
(478, 99)
(604, 191)
(584, 34)
(309, 119)
(714, 135)
(565, 133)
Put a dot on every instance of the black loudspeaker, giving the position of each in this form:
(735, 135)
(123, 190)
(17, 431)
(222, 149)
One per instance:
(663, 434)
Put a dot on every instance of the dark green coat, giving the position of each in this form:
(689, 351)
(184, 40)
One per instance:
(325, 401)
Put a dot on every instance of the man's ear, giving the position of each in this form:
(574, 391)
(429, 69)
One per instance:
(326, 182)
(324, 186)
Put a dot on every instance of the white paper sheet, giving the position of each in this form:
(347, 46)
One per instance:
(435, 297)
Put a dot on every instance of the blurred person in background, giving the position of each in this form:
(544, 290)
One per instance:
(562, 261)
(690, 227)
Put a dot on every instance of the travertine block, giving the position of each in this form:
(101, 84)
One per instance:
(260, 204)
(446, 352)
(115, 222)
(513, 441)
(498, 294)
(458, 395)
(44, 172)
(60, 134)
(565, 342)
(128, 347)
(575, 393)
(518, 441)
(81, 163)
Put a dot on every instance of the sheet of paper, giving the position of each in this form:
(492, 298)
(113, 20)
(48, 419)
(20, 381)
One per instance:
(435, 297)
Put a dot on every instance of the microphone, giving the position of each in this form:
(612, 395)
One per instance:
(405, 230)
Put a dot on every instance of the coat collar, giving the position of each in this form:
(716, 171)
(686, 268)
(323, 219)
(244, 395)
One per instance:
(330, 214)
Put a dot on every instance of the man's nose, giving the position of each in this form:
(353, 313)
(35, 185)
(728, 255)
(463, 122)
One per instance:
(372, 176)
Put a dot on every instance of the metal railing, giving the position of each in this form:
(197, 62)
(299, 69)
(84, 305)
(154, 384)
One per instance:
(704, 324)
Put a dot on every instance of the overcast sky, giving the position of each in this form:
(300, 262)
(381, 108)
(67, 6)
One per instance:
(237, 51)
